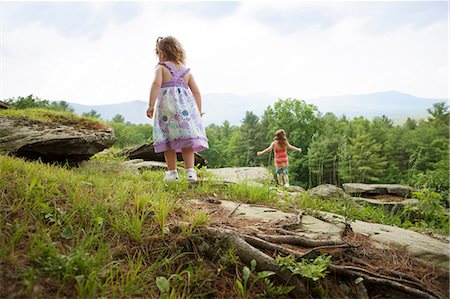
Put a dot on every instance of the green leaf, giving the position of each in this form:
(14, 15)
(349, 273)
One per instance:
(67, 233)
(246, 273)
(264, 274)
(240, 287)
(163, 284)
(359, 280)
(252, 265)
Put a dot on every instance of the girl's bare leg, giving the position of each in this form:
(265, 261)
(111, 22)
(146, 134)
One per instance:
(280, 179)
(286, 179)
(171, 159)
(188, 157)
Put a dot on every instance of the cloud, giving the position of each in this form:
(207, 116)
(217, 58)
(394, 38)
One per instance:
(72, 19)
(379, 17)
(212, 10)
(234, 52)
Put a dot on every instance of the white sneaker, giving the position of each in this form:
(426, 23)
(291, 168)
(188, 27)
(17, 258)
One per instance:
(171, 175)
(286, 184)
(191, 175)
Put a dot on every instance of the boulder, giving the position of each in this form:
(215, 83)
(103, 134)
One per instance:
(377, 189)
(52, 142)
(327, 191)
(242, 174)
(146, 152)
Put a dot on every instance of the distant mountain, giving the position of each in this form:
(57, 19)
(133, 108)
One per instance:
(219, 107)
(389, 103)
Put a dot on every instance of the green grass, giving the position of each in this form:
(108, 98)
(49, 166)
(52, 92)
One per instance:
(102, 231)
(50, 116)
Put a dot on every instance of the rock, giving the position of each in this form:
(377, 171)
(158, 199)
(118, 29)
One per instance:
(242, 174)
(327, 191)
(392, 205)
(380, 189)
(146, 152)
(139, 164)
(294, 189)
(52, 142)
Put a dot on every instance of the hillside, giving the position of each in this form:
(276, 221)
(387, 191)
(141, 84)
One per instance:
(101, 230)
(220, 107)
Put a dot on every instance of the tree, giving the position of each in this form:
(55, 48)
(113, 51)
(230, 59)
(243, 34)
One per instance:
(360, 158)
(29, 101)
(61, 106)
(92, 113)
(118, 118)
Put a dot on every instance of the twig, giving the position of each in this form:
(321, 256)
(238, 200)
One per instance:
(234, 210)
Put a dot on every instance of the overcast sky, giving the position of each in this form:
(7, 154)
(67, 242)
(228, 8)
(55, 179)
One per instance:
(103, 52)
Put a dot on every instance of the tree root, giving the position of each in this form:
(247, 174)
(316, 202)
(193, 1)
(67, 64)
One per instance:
(247, 252)
(369, 278)
(298, 240)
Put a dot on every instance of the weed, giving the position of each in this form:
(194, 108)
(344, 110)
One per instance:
(242, 283)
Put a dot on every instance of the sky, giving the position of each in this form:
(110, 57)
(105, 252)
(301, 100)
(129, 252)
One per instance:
(103, 52)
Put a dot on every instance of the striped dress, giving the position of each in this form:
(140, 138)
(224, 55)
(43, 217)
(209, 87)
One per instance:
(280, 157)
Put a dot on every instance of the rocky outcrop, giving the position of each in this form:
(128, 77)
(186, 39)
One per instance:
(365, 190)
(52, 142)
(327, 191)
(146, 152)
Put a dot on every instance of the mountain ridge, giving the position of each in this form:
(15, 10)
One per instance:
(231, 107)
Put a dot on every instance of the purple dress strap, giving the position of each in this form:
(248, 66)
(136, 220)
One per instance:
(177, 75)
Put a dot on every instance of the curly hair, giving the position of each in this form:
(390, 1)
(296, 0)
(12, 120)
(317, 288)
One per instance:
(171, 48)
(280, 135)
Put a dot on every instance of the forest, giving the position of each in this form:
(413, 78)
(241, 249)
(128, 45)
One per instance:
(336, 149)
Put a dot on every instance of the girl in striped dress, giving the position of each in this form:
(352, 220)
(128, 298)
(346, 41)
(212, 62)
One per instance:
(279, 146)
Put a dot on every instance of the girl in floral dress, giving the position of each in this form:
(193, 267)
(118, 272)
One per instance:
(176, 105)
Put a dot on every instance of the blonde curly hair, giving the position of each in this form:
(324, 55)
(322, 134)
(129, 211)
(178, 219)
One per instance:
(172, 49)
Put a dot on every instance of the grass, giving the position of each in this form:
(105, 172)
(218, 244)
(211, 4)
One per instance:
(58, 117)
(102, 231)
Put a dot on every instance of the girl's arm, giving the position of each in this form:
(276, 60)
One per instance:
(196, 93)
(154, 90)
(266, 150)
(294, 148)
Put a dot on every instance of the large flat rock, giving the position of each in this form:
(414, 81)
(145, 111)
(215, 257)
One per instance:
(242, 174)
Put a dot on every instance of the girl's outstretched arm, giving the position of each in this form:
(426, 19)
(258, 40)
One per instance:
(266, 150)
(294, 148)
(195, 92)
(154, 90)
